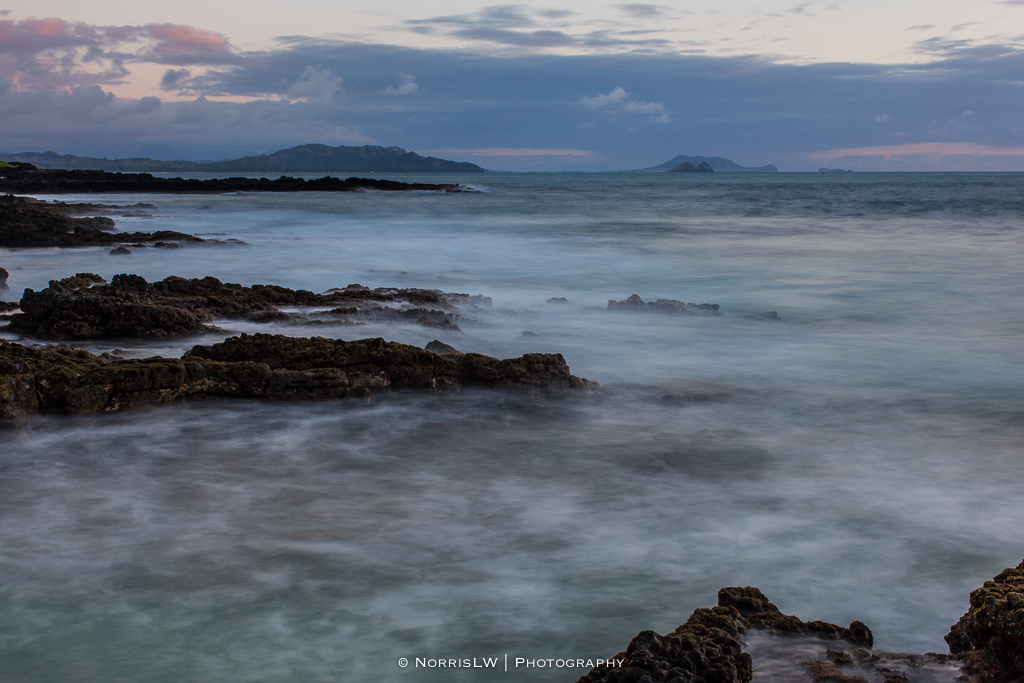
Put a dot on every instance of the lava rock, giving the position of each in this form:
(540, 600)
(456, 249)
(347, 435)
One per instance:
(83, 307)
(666, 306)
(120, 251)
(3, 280)
(990, 636)
(707, 648)
(26, 222)
(440, 347)
(63, 380)
(27, 179)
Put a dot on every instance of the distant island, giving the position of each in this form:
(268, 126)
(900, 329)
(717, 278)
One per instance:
(717, 164)
(301, 159)
(834, 170)
(687, 167)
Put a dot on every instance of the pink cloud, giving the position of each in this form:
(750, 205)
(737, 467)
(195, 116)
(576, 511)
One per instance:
(922, 148)
(54, 53)
(178, 40)
(32, 35)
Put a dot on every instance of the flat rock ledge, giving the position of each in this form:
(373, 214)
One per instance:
(986, 645)
(68, 381)
(87, 307)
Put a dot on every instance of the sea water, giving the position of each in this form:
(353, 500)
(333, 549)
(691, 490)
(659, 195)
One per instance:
(859, 458)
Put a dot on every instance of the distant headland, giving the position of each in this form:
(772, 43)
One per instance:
(716, 164)
(301, 159)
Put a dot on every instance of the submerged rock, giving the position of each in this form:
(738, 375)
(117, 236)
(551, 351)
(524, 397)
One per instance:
(990, 636)
(84, 307)
(120, 251)
(63, 380)
(667, 306)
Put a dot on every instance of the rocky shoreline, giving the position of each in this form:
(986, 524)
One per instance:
(987, 643)
(24, 178)
(67, 381)
(30, 223)
(87, 307)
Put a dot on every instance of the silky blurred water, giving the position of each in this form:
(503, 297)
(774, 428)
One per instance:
(861, 458)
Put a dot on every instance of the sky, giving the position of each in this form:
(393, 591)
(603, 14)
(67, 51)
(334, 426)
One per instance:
(868, 85)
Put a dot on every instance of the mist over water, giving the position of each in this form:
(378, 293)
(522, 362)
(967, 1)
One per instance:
(859, 459)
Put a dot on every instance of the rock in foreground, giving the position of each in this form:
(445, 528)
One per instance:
(990, 636)
(707, 647)
(70, 381)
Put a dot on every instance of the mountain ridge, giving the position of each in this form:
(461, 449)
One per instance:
(310, 158)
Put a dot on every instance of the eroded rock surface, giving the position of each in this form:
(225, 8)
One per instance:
(26, 222)
(990, 636)
(667, 306)
(707, 647)
(63, 380)
(86, 307)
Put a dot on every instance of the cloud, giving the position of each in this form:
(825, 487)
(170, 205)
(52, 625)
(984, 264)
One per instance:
(408, 87)
(314, 83)
(173, 78)
(930, 156)
(56, 78)
(523, 27)
(510, 152)
(882, 118)
(618, 100)
(616, 96)
(642, 10)
(54, 53)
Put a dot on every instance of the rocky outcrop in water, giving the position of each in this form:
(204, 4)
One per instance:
(27, 223)
(707, 647)
(85, 307)
(27, 179)
(3, 281)
(63, 380)
(634, 303)
(990, 636)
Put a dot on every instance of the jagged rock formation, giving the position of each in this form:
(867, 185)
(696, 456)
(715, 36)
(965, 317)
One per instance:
(302, 159)
(84, 307)
(3, 281)
(27, 179)
(687, 167)
(634, 303)
(707, 647)
(69, 381)
(26, 222)
(990, 636)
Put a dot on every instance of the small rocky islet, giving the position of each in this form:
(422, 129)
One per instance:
(986, 645)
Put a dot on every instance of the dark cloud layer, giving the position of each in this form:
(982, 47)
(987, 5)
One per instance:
(630, 110)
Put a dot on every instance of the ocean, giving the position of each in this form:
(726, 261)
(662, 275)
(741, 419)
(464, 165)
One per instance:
(860, 457)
